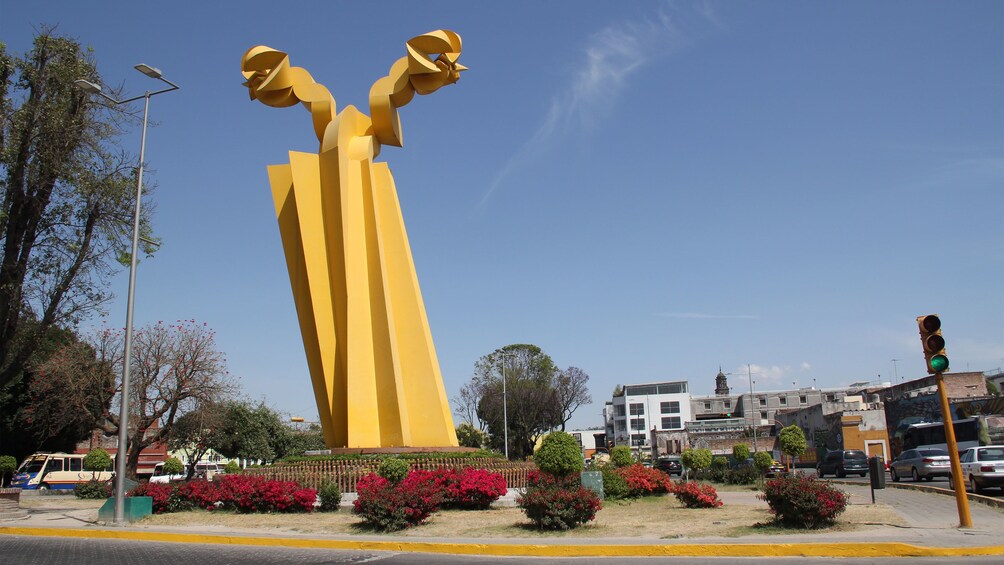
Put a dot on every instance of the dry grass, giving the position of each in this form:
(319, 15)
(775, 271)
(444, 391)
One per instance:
(649, 518)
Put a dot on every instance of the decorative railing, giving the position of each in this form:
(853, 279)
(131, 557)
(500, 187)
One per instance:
(346, 473)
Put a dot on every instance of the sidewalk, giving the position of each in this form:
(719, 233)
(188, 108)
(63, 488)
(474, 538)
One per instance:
(931, 530)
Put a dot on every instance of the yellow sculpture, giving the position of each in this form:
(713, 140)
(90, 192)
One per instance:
(369, 350)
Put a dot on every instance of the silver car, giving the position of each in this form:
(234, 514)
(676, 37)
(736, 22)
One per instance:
(924, 463)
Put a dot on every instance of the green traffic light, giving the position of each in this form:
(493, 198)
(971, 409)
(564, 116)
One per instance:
(939, 363)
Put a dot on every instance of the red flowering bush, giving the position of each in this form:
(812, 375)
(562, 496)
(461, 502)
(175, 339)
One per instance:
(694, 495)
(159, 492)
(254, 493)
(803, 502)
(644, 481)
(243, 493)
(387, 506)
(470, 488)
(557, 503)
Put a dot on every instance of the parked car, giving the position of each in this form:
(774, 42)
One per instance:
(982, 467)
(776, 469)
(843, 461)
(670, 464)
(924, 463)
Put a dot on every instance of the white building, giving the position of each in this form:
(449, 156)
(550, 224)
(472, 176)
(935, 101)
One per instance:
(644, 408)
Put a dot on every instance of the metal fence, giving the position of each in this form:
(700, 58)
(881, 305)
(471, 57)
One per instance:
(346, 473)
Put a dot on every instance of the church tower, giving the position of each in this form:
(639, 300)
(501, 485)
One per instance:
(721, 384)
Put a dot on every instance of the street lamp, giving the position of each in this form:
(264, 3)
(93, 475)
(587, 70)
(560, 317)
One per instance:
(120, 459)
(505, 407)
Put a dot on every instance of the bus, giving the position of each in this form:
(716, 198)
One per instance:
(57, 471)
(932, 435)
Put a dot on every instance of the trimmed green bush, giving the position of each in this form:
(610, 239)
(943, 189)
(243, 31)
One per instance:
(232, 467)
(173, 466)
(330, 496)
(394, 469)
(97, 460)
(559, 455)
(614, 485)
(93, 490)
(620, 456)
(7, 466)
(762, 461)
(696, 460)
(740, 453)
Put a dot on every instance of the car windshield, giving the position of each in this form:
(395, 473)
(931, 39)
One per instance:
(996, 454)
(933, 452)
(854, 455)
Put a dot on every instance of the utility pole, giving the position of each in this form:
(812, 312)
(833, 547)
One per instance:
(749, 373)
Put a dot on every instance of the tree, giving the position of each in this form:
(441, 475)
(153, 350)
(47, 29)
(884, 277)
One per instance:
(68, 393)
(740, 452)
(253, 433)
(469, 436)
(67, 196)
(792, 441)
(7, 466)
(97, 460)
(571, 388)
(174, 368)
(194, 432)
(174, 466)
(530, 401)
(696, 459)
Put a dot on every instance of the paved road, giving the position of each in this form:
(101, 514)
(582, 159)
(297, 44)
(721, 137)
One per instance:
(940, 482)
(71, 551)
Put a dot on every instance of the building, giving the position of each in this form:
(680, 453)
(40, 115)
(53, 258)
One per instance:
(589, 440)
(640, 410)
(850, 423)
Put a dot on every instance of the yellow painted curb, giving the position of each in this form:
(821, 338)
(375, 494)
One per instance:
(883, 549)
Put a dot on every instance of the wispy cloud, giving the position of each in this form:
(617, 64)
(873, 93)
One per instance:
(704, 316)
(610, 58)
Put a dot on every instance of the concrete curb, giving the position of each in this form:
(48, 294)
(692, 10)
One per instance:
(878, 549)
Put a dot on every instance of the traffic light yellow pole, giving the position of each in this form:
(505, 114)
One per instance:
(961, 500)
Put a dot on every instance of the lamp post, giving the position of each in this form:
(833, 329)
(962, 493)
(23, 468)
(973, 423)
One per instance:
(121, 454)
(505, 406)
(749, 374)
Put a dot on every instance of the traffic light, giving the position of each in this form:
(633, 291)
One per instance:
(934, 344)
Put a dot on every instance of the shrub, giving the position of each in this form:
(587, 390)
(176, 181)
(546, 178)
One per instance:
(742, 475)
(792, 440)
(719, 462)
(614, 485)
(330, 495)
(695, 495)
(644, 481)
(387, 506)
(762, 461)
(559, 454)
(97, 460)
(201, 494)
(471, 488)
(620, 456)
(804, 502)
(557, 503)
(161, 494)
(232, 467)
(173, 466)
(254, 493)
(93, 489)
(394, 469)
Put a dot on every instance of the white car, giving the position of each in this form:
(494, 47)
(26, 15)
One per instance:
(983, 467)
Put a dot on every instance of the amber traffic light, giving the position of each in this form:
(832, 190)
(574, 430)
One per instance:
(933, 342)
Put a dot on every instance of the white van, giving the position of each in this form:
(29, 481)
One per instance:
(203, 470)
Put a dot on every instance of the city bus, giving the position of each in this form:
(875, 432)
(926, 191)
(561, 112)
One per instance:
(932, 435)
(56, 471)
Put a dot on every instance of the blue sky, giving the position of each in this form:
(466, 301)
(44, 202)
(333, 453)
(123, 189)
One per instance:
(646, 190)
